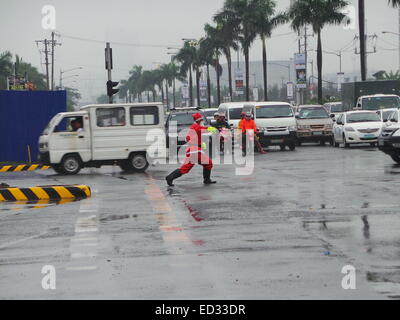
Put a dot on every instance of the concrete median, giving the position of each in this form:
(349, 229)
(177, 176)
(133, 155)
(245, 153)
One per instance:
(53, 192)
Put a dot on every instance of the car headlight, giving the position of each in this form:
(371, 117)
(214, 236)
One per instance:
(349, 129)
(292, 128)
(396, 133)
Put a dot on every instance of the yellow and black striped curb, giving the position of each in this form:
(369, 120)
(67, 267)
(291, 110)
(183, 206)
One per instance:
(45, 193)
(23, 167)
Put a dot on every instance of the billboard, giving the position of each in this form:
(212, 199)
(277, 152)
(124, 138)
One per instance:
(301, 70)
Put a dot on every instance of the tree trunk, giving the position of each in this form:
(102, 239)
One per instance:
(190, 87)
(162, 93)
(208, 86)
(218, 80)
(154, 95)
(166, 94)
(264, 57)
(174, 94)
(361, 22)
(198, 86)
(319, 67)
(229, 59)
(246, 58)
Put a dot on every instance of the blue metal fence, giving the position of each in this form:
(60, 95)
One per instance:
(23, 116)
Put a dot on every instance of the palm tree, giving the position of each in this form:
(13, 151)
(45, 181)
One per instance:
(317, 13)
(206, 55)
(227, 38)
(187, 56)
(239, 15)
(265, 23)
(6, 67)
(395, 3)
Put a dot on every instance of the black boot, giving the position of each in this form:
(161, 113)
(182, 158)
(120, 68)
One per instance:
(172, 176)
(206, 176)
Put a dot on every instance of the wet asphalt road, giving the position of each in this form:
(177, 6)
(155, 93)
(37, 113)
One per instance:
(285, 232)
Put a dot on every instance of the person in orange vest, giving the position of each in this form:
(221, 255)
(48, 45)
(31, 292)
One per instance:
(248, 124)
(194, 153)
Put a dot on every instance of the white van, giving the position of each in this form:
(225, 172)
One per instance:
(100, 135)
(276, 123)
(232, 111)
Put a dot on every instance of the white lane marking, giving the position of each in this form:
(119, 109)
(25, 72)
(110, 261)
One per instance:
(84, 245)
(79, 255)
(83, 239)
(22, 240)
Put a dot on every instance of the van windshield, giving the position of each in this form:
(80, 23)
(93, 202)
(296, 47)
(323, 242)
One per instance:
(234, 113)
(337, 108)
(52, 122)
(376, 103)
(278, 111)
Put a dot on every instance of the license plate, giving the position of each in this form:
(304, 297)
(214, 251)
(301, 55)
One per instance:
(318, 133)
(277, 141)
(369, 136)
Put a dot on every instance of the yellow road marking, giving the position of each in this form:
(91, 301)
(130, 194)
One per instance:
(33, 167)
(64, 192)
(19, 168)
(40, 193)
(5, 168)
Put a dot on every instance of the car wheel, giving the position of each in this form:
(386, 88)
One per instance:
(395, 158)
(282, 146)
(345, 144)
(292, 146)
(322, 143)
(71, 165)
(137, 162)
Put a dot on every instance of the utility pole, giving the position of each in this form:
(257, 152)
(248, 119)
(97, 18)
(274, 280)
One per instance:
(366, 52)
(361, 22)
(53, 44)
(46, 52)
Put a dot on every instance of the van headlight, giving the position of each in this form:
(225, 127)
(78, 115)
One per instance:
(329, 126)
(292, 128)
(304, 127)
(43, 145)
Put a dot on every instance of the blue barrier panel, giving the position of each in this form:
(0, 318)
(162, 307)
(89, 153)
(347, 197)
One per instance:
(23, 116)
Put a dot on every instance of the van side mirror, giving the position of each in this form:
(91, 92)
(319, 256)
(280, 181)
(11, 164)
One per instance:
(332, 115)
(393, 120)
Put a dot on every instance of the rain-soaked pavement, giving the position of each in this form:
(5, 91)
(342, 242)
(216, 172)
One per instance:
(285, 232)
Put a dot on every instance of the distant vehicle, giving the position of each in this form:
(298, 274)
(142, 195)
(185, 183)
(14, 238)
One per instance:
(232, 111)
(276, 123)
(183, 118)
(352, 91)
(108, 134)
(389, 140)
(386, 113)
(313, 124)
(209, 112)
(355, 127)
(334, 109)
(378, 101)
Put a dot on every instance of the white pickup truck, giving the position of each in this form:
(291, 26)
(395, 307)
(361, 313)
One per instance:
(100, 135)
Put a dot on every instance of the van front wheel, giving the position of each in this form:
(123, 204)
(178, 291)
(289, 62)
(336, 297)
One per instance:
(71, 165)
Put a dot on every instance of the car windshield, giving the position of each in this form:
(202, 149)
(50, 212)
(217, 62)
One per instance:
(282, 111)
(363, 117)
(337, 108)
(234, 113)
(313, 113)
(210, 113)
(376, 103)
(53, 121)
(185, 119)
(386, 115)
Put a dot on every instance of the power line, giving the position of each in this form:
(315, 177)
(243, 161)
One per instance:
(115, 43)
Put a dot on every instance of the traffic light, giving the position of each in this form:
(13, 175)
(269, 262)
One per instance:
(110, 86)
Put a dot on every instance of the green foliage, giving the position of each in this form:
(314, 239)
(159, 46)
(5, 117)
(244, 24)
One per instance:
(73, 97)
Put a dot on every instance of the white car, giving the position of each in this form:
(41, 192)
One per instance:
(356, 127)
(386, 113)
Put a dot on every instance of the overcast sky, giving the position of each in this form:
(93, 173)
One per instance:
(165, 22)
